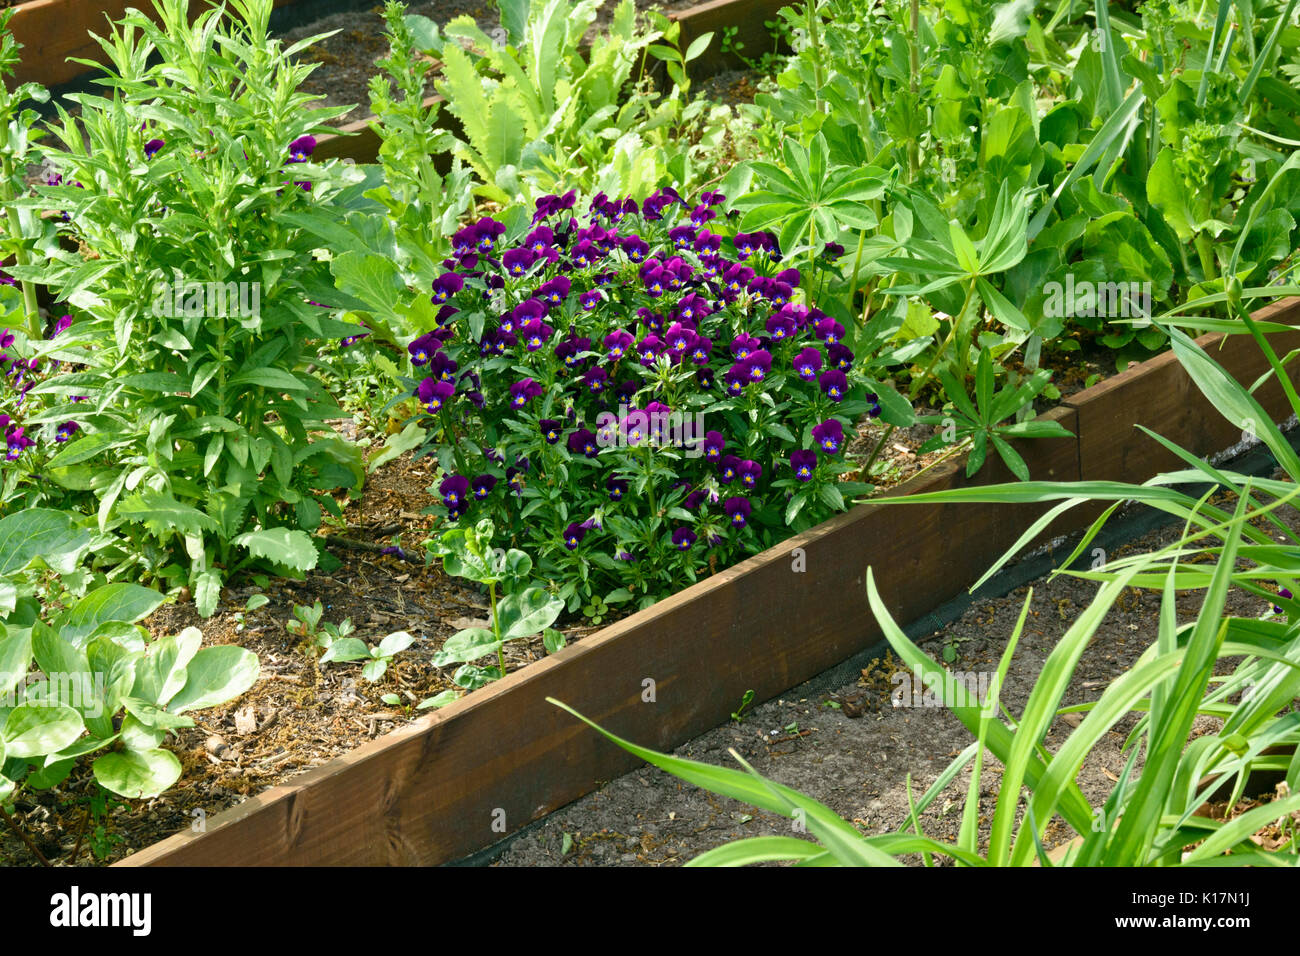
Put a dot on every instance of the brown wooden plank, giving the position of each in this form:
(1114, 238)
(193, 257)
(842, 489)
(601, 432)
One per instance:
(1159, 395)
(53, 30)
(747, 16)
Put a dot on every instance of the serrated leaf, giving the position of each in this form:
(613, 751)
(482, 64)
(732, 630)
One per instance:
(291, 547)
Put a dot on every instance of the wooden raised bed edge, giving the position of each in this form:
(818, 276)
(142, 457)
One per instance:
(460, 779)
(51, 31)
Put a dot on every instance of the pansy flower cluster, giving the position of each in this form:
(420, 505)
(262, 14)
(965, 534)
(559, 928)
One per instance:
(634, 394)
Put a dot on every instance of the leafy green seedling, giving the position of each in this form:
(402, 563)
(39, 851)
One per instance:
(745, 701)
(986, 420)
(522, 612)
(348, 649)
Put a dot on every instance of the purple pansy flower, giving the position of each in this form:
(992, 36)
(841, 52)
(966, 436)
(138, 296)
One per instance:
(573, 535)
(433, 394)
(453, 489)
(749, 472)
(523, 392)
(804, 462)
(829, 435)
(300, 149)
(808, 363)
(583, 442)
(728, 469)
(518, 261)
(554, 291)
(447, 285)
(833, 383)
(738, 510)
(617, 343)
(423, 348)
(828, 330)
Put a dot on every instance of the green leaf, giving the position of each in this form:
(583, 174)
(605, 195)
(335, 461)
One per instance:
(34, 730)
(273, 378)
(159, 512)
(15, 658)
(398, 444)
(552, 640)
(346, 649)
(394, 644)
(162, 672)
(470, 644)
(84, 449)
(39, 532)
(698, 46)
(438, 700)
(120, 601)
(207, 592)
(526, 613)
(216, 675)
(154, 717)
(281, 545)
(137, 774)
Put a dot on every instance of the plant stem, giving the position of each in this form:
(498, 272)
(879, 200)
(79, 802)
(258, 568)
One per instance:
(812, 249)
(30, 305)
(857, 262)
(919, 383)
(875, 452)
(81, 835)
(814, 41)
(9, 821)
(1205, 252)
(913, 147)
(496, 628)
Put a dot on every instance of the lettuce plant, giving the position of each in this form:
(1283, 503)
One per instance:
(203, 435)
(86, 680)
(636, 399)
